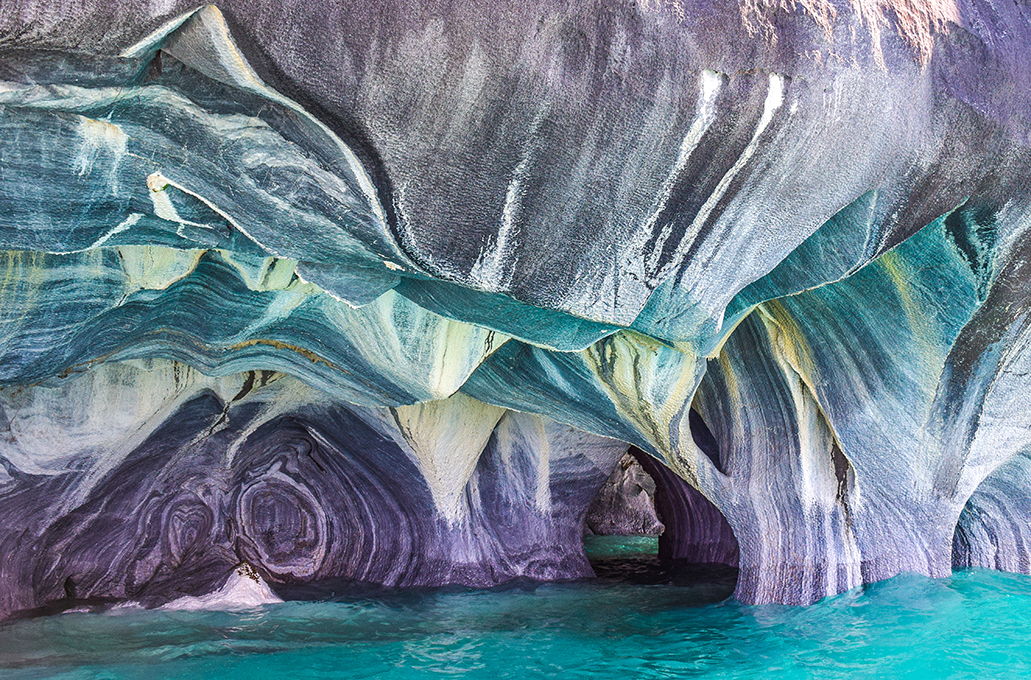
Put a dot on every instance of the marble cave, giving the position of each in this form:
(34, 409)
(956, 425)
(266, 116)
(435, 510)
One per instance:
(386, 291)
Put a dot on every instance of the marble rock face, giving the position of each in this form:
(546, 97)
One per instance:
(625, 505)
(160, 496)
(384, 291)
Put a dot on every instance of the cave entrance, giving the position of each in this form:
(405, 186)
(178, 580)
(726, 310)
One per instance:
(647, 525)
(622, 522)
(994, 529)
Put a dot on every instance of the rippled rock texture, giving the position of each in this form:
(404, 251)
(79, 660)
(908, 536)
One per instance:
(383, 291)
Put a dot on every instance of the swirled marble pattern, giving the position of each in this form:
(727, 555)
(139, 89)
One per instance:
(166, 494)
(382, 291)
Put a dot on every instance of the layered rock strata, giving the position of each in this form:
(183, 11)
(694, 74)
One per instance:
(383, 291)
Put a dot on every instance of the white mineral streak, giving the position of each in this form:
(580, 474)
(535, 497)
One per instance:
(244, 589)
(103, 136)
(817, 487)
(517, 434)
(153, 41)
(124, 225)
(96, 418)
(403, 338)
(489, 270)
(100, 139)
(542, 491)
(774, 100)
(201, 40)
(83, 415)
(548, 442)
(709, 88)
(164, 208)
(446, 438)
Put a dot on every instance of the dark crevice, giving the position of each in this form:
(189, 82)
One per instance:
(704, 439)
(845, 476)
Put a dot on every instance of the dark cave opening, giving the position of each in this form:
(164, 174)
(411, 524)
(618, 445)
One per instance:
(649, 526)
(623, 509)
(992, 531)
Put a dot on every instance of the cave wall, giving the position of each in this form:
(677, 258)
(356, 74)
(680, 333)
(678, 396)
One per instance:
(993, 529)
(157, 496)
(382, 291)
(695, 531)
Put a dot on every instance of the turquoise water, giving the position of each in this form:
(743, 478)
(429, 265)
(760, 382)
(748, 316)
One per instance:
(620, 547)
(976, 624)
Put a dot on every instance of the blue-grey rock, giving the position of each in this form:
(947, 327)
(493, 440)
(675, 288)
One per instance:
(992, 532)
(383, 291)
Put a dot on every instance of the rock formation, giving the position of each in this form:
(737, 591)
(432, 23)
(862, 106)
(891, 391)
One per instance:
(625, 505)
(384, 291)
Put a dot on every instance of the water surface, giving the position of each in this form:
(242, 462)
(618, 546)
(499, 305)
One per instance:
(639, 619)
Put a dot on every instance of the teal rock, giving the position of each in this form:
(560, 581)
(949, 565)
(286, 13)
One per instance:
(383, 292)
